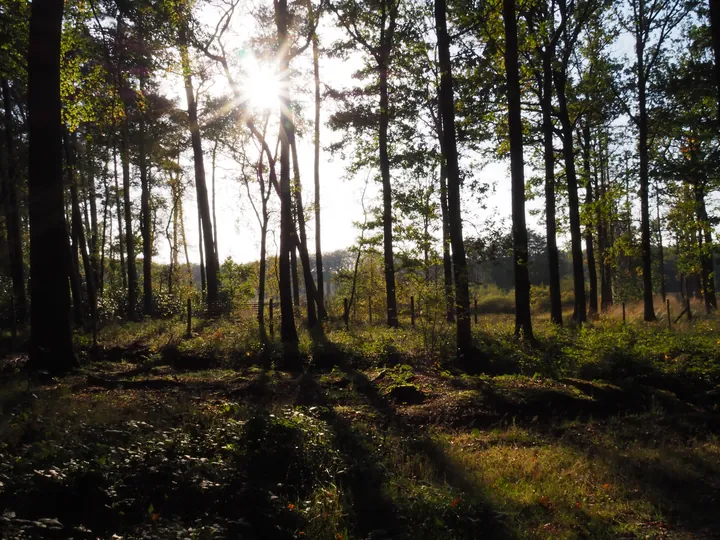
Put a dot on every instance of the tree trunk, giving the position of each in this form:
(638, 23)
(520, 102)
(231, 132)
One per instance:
(73, 272)
(310, 291)
(121, 237)
(602, 232)
(320, 293)
(132, 278)
(387, 218)
(51, 345)
(550, 215)
(445, 216)
(78, 233)
(89, 186)
(288, 332)
(579, 314)
(146, 222)
(12, 213)
(589, 248)
(649, 310)
(203, 281)
(449, 149)
(294, 276)
(706, 253)
(523, 321)
(200, 185)
(661, 253)
(214, 214)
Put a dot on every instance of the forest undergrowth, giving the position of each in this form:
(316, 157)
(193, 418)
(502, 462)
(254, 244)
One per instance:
(610, 431)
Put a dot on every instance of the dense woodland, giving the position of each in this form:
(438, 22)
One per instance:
(453, 373)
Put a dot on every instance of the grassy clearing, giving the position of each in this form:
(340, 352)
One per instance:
(606, 432)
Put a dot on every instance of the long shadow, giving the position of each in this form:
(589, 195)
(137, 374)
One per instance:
(371, 511)
(484, 522)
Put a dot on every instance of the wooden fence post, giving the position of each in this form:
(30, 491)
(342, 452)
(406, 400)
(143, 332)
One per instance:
(412, 311)
(188, 331)
(623, 304)
(668, 313)
(270, 310)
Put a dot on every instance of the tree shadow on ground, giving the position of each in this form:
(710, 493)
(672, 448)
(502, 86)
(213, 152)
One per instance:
(479, 519)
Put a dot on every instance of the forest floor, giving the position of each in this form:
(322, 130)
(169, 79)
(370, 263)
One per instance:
(607, 432)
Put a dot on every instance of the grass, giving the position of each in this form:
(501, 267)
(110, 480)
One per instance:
(610, 431)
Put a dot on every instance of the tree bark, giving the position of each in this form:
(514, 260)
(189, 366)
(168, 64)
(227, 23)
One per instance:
(523, 321)
(550, 213)
(132, 277)
(387, 218)
(446, 241)
(12, 213)
(51, 345)
(78, 233)
(288, 332)
(601, 214)
(449, 149)
(146, 222)
(200, 185)
(121, 237)
(642, 120)
(589, 248)
(706, 251)
(579, 314)
(320, 294)
(310, 291)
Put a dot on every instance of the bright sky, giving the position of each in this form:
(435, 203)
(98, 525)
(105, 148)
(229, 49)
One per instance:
(238, 230)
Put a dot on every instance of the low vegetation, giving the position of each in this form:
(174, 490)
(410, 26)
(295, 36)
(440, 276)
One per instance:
(609, 431)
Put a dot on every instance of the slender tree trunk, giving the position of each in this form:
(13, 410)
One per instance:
(589, 248)
(78, 233)
(73, 272)
(446, 242)
(310, 291)
(649, 309)
(203, 280)
(121, 237)
(214, 214)
(449, 149)
(523, 321)
(12, 213)
(181, 219)
(129, 237)
(392, 316)
(89, 185)
(51, 345)
(601, 214)
(706, 251)
(661, 253)
(288, 332)
(295, 280)
(550, 215)
(579, 315)
(106, 206)
(320, 293)
(200, 185)
(146, 221)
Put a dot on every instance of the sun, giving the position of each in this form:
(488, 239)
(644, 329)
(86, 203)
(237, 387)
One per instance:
(261, 86)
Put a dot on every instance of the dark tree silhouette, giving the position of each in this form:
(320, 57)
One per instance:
(523, 322)
(449, 150)
(51, 341)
